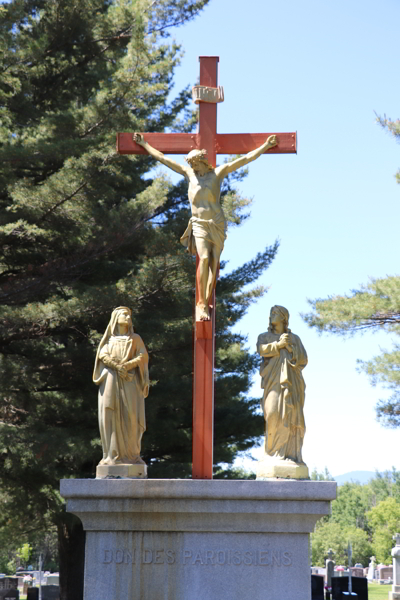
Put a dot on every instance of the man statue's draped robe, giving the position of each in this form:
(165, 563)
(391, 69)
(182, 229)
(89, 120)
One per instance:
(284, 394)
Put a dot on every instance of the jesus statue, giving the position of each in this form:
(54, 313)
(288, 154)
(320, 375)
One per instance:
(206, 231)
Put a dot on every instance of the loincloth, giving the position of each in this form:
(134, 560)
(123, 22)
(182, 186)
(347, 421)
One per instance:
(211, 230)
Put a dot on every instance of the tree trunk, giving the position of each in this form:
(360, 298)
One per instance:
(71, 545)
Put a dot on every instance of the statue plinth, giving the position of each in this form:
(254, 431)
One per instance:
(269, 467)
(121, 471)
(180, 539)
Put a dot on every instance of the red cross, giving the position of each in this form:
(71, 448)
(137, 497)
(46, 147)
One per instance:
(215, 143)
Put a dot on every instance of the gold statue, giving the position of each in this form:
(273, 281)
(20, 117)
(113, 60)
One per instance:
(206, 231)
(121, 372)
(284, 359)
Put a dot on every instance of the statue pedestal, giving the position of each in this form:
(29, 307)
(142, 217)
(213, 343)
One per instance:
(269, 467)
(121, 471)
(197, 539)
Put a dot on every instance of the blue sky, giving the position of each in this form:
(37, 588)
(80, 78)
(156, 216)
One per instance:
(320, 68)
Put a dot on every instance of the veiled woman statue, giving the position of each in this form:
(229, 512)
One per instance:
(284, 359)
(121, 372)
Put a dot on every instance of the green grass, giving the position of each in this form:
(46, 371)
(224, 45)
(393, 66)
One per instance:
(378, 592)
(375, 592)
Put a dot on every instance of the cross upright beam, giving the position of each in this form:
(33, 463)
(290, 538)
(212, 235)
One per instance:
(204, 331)
(204, 342)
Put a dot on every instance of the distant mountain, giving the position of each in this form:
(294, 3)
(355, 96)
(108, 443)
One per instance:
(355, 476)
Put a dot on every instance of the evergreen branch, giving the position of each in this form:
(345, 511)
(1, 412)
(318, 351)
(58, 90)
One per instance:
(111, 110)
(373, 322)
(179, 21)
(381, 319)
(11, 408)
(51, 51)
(393, 127)
(54, 271)
(166, 26)
(388, 411)
(61, 202)
(116, 36)
(374, 306)
(9, 272)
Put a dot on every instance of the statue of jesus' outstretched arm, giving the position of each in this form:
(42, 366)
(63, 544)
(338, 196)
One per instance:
(206, 231)
(236, 164)
(165, 160)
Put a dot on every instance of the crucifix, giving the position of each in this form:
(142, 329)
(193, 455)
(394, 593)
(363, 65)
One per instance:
(207, 228)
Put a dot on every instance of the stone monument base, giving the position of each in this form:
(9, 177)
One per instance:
(197, 539)
(395, 593)
(121, 471)
(269, 467)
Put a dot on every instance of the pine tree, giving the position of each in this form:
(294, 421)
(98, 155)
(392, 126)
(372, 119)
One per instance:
(83, 230)
(376, 307)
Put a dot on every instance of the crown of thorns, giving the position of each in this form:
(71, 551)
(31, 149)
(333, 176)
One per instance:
(196, 154)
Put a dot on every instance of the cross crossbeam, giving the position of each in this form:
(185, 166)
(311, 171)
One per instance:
(224, 143)
(215, 143)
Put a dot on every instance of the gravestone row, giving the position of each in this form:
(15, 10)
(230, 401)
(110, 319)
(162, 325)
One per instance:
(8, 583)
(49, 592)
(9, 594)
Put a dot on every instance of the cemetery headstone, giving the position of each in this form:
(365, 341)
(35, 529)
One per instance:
(371, 568)
(8, 583)
(341, 584)
(330, 568)
(386, 573)
(317, 587)
(9, 594)
(395, 593)
(349, 572)
(357, 572)
(33, 593)
(50, 592)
